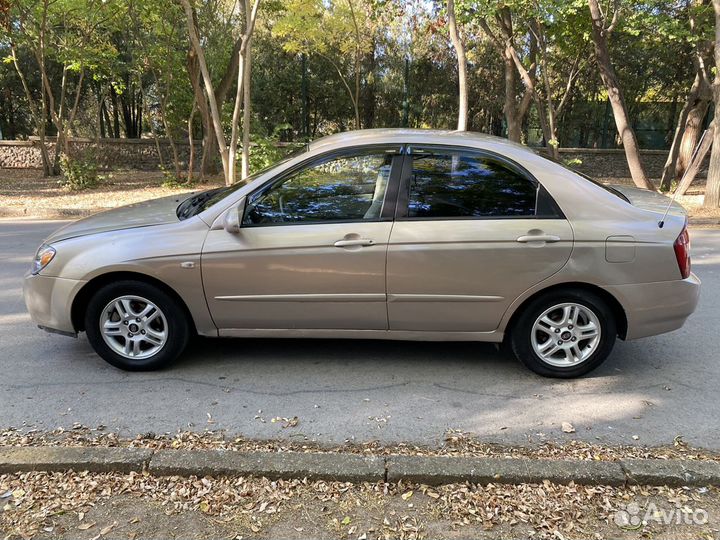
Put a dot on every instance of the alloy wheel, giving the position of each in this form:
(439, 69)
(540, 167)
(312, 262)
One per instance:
(133, 327)
(566, 335)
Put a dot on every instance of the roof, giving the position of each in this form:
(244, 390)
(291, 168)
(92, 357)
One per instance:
(417, 136)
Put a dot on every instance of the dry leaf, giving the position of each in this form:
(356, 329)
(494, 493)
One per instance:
(107, 529)
(567, 427)
(86, 526)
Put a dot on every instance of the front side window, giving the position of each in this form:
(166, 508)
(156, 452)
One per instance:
(346, 188)
(456, 184)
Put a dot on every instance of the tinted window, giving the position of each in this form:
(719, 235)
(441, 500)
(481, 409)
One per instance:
(332, 189)
(456, 184)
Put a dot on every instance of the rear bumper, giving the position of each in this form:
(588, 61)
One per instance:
(49, 301)
(656, 308)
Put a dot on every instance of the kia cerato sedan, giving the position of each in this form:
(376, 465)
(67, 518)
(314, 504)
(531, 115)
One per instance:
(381, 234)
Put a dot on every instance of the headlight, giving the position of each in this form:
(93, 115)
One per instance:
(43, 257)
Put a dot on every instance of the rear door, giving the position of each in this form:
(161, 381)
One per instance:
(472, 232)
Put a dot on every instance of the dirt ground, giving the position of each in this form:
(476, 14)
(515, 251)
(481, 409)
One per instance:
(93, 506)
(27, 192)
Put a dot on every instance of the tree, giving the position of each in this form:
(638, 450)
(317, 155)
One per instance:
(334, 30)
(462, 66)
(65, 37)
(227, 152)
(601, 31)
(503, 39)
(712, 187)
(692, 115)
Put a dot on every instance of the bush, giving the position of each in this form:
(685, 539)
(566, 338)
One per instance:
(171, 181)
(266, 151)
(79, 172)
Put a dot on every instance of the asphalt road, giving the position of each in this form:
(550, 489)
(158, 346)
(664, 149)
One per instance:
(654, 389)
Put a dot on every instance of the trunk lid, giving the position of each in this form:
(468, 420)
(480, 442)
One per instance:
(650, 200)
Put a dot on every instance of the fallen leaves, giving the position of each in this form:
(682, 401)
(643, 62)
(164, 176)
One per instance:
(456, 443)
(362, 511)
(286, 422)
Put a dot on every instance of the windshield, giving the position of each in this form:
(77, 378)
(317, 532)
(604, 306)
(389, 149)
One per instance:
(586, 177)
(206, 199)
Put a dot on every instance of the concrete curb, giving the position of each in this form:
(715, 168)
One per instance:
(431, 470)
(57, 458)
(673, 472)
(290, 465)
(436, 470)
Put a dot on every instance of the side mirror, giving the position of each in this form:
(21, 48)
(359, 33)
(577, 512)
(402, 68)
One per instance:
(234, 217)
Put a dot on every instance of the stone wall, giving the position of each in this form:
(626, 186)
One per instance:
(140, 154)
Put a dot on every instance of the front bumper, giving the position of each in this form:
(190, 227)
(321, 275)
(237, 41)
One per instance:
(49, 301)
(659, 307)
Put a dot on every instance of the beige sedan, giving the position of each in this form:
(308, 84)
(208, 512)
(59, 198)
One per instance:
(378, 234)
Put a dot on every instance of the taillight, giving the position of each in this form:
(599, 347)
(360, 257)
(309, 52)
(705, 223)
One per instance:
(682, 252)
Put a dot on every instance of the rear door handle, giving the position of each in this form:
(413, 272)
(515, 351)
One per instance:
(354, 242)
(538, 238)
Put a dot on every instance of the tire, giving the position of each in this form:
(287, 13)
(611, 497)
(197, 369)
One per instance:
(568, 350)
(158, 336)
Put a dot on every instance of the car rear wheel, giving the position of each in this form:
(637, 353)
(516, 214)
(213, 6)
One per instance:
(135, 326)
(564, 334)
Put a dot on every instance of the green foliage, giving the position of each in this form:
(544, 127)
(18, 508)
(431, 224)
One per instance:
(79, 172)
(266, 151)
(171, 180)
(306, 55)
(573, 162)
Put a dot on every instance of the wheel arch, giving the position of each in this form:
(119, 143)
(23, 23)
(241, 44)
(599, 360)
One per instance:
(82, 298)
(613, 303)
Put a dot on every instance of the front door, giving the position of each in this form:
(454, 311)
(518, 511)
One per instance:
(311, 250)
(473, 232)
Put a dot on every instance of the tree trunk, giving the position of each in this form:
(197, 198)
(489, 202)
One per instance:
(514, 123)
(668, 174)
(462, 67)
(712, 187)
(191, 142)
(615, 95)
(246, 127)
(197, 47)
(116, 112)
(697, 160)
(514, 112)
(369, 89)
(693, 130)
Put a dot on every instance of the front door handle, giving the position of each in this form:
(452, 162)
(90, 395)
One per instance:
(354, 242)
(538, 238)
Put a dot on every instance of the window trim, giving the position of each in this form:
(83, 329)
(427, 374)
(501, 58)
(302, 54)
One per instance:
(403, 200)
(387, 210)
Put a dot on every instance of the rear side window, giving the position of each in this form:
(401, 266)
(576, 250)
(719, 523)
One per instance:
(449, 184)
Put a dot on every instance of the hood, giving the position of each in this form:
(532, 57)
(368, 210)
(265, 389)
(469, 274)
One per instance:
(143, 214)
(650, 200)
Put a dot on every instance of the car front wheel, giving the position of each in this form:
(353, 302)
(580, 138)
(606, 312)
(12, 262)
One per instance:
(135, 326)
(564, 334)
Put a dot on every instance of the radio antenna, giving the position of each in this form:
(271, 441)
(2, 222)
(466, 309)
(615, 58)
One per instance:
(661, 223)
